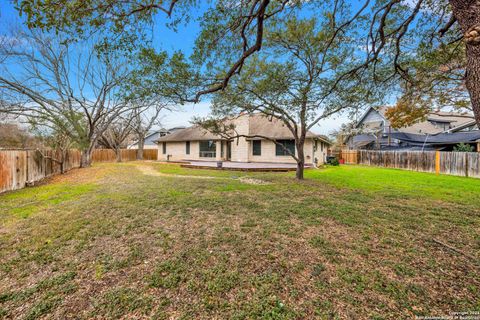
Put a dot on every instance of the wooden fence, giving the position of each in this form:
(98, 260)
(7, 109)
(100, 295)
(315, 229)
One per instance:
(19, 168)
(108, 155)
(465, 164)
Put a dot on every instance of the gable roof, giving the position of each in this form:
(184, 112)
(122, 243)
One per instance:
(189, 134)
(258, 125)
(456, 120)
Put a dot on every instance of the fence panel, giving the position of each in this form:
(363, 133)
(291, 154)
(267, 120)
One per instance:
(21, 167)
(350, 156)
(13, 170)
(108, 155)
(466, 164)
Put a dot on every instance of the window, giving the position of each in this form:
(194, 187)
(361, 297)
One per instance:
(257, 147)
(164, 147)
(187, 147)
(287, 144)
(207, 149)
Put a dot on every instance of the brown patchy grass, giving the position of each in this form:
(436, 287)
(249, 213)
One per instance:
(117, 241)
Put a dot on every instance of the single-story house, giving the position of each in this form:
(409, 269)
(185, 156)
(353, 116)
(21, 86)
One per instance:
(195, 143)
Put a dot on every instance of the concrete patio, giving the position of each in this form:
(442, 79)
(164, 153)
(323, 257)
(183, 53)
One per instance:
(243, 166)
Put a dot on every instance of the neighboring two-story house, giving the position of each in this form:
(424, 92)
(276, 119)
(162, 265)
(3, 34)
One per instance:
(439, 130)
(195, 143)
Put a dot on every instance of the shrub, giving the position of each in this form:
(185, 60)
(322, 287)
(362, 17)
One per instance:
(333, 162)
(463, 147)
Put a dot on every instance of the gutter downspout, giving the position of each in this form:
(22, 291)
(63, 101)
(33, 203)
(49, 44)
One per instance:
(426, 138)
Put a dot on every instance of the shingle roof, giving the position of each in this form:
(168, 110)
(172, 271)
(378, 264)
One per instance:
(271, 127)
(259, 125)
(441, 138)
(457, 120)
(195, 133)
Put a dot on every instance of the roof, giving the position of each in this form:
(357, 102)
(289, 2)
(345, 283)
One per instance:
(258, 125)
(442, 138)
(456, 120)
(188, 134)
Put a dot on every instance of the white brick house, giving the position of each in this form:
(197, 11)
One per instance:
(195, 143)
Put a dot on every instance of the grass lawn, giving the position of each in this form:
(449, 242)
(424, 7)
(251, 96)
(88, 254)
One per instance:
(145, 240)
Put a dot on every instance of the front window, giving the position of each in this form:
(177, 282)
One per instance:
(164, 147)
(187, 147)
(207, 149)
(287, 144)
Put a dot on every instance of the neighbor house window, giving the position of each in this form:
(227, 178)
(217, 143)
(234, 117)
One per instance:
(207, 149)
(257, 147)
(164, 147)
(187, 147)
(287, 144)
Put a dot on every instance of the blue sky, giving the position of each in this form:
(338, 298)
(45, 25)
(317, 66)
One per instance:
(167, 39)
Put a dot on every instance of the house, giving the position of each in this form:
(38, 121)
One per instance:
(373, 131)
(195, 143)
(152, 137)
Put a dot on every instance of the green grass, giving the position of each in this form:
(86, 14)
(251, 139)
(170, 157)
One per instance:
(400, 183)
(149, 240)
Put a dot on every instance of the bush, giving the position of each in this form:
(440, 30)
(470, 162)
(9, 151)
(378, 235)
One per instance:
(463, 147)
(333, 162)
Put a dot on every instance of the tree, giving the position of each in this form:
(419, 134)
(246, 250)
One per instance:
(430, 50)
(144, 118)
(401, 39)
(158, 83)
(298, 79)
(55, 140)
(127, 20)
(116, 134)
(69, 88)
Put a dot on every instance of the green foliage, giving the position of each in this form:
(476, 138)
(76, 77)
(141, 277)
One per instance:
(160, 78)
(333, 162)
(463, 147)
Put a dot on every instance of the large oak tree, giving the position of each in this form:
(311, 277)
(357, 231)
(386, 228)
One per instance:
(400, 32)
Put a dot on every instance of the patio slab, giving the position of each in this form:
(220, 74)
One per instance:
(243, 166)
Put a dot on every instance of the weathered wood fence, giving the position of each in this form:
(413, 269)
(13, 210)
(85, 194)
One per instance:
(19, 168)
(465, 164)
(108, 155)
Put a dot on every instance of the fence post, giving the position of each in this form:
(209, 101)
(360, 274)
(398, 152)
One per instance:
(437, 162)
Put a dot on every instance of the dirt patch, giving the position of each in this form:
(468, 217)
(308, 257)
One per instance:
(80, 175)
(149, 171)
(254, 181)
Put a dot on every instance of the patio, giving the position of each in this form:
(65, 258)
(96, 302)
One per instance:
(244, 166)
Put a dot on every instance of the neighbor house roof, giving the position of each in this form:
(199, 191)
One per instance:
(258, 125)
(441, 138)
(456, 120)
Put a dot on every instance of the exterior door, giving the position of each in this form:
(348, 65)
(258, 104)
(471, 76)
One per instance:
(229, 150)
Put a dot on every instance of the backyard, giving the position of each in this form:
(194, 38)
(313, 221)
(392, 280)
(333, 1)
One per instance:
(148, 240)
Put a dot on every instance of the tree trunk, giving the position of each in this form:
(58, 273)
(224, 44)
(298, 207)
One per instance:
(118, 154)
(467, 13)
(141, 145)
(300, 159)
(86, 158)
